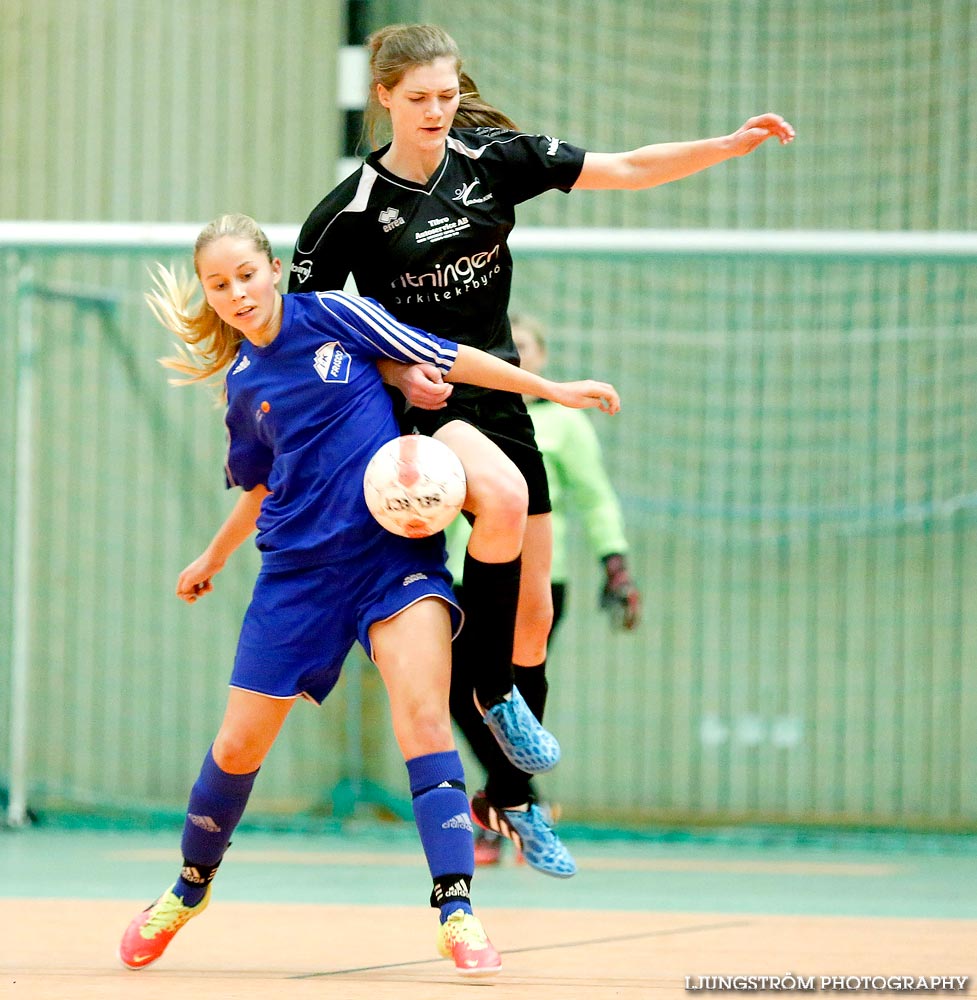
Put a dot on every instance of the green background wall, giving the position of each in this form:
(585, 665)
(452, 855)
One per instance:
(795, 455)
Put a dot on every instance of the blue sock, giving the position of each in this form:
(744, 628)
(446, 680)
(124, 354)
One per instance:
(437, 786)
(217, 802)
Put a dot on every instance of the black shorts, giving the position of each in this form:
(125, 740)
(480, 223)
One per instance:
(502, 417)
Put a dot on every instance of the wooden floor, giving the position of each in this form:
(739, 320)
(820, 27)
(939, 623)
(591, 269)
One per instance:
(618, 930)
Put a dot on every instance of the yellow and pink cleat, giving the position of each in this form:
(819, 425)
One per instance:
(462, 938)
(151, 931)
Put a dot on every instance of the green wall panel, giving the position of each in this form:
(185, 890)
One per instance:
(795, 456)
(129, 110)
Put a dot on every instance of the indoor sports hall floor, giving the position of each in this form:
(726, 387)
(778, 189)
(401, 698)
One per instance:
(343, 915)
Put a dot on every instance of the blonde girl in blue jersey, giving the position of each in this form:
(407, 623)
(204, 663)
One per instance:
(422, 227)
(306, 409)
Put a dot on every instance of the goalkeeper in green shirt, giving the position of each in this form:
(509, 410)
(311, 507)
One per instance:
(578, 485)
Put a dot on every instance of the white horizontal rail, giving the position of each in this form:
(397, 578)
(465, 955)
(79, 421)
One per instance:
(117, 235)
(96, 236)
(798, 242)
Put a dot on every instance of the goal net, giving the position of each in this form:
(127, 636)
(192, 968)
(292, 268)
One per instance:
(796, 462)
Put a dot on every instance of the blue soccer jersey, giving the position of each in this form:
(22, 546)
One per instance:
(306, 413)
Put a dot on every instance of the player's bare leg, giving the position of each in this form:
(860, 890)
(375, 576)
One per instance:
(534, 615)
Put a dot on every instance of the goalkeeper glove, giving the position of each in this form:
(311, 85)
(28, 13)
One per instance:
(619, 595)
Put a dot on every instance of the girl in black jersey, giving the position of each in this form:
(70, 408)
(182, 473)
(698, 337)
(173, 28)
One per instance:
(422, 227)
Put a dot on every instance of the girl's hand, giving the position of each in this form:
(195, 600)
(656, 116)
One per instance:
(425, 387)
(586, 395)
(757, 130)
(421, 384)
(195, 580)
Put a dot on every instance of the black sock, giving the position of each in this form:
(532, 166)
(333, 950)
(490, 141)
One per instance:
(491, 594)
(506, 784)
(533, 686)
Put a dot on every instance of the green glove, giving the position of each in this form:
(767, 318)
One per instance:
(619, 596)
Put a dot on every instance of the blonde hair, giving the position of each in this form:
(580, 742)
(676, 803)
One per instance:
(209, 344)
(398, 48)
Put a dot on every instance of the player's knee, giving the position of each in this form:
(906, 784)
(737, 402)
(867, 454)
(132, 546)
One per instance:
(535, 627)
(235, 753)
(504, 502)
(430, 731)
(533, 624)
(530, 642)
(535, 600)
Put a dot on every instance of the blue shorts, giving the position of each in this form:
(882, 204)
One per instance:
(302, 623)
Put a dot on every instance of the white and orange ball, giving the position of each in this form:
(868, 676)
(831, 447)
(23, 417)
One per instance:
(414, 486)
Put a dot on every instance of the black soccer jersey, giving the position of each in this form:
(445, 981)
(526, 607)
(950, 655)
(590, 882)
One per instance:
(435, 254)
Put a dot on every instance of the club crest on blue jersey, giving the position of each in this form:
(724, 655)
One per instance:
(332, 362)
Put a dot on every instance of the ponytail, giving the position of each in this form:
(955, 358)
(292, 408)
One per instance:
(473, 112)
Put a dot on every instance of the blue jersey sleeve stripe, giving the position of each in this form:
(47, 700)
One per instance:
(228, 474)
(390, 337)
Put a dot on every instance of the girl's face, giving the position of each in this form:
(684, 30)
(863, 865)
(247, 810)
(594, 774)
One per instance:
(423, 104)
(239, 283)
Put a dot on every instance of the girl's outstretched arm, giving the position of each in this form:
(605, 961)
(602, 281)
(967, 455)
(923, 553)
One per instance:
(479, 368)
(662, 162)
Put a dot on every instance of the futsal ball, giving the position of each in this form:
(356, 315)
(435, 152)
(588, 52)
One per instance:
(414, 486)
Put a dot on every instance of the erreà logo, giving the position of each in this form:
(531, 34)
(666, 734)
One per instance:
(332, 362)
(390, 218)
